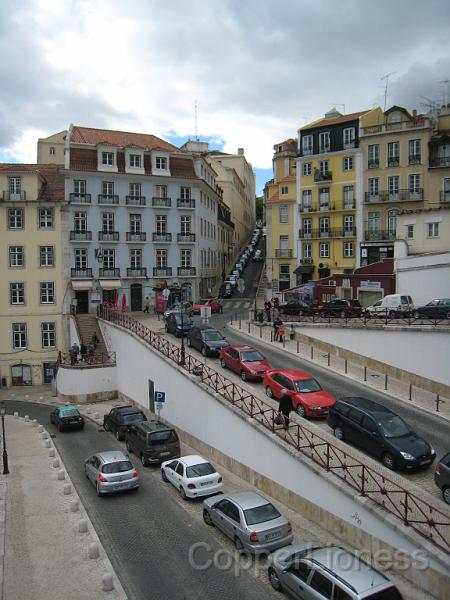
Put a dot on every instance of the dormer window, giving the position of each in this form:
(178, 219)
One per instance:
(135, 161)
(108, 159)
(161, 163)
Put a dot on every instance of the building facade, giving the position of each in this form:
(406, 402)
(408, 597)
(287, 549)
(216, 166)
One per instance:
(50, 150)
(32, 216)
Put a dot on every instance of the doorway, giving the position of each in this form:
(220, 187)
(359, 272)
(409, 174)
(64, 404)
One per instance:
(49, 370)
(21, 375)
(109, 296)
(82, 298)
(136, 297)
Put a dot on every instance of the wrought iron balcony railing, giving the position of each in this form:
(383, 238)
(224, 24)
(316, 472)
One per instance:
(80, 236)
(186, 271)
(108, 236)
(80, 198)
(109, 272)
(379, 235)
(161, 202)
(185, 202)
(108, 199)
(397, 196)
(135, 200)
(135, 236)
(284, 253)
(80, 273)
(162, 271)
(186, 238)
(136, 271)
(14, 196)
(161, 237)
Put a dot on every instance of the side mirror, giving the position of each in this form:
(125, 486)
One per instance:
(375, 433)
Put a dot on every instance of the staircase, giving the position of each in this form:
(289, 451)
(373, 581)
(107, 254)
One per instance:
(261, 291)
(87, 325)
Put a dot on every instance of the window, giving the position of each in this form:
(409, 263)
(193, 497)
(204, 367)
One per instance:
(348, 163)
(307, 144)
(414, 153)
(410, 232)
(323, 167)
(15, 218)
(16, 293)
(46, 256)
(285, 274)
(45, 218)
(349, 137)
(324, 141)
(324, 198)
(185, 225)
(185, 256)
(393, 186)
(414, 184)
(283, 212)
(108, 159)
(348, 222)
(307, 169)
(161, 191)
(19, 333)
(324, 225)
(161, 162)
(307, 226)
(161, 224)
(135, 223)
(161, 259)
(107, 189)
(321, 584)
(349, 197)
(15, 186)
(324, 250)
(48, 335)
(79, 187)
(307, 200)
(307, 250)
(81, 262)
(374, 222)
(284, 190)
(393, 154)
(107, 222)
(135, 161)
(16, 256)
(433, 230)
(374, 186)
(185, 193)
(348, 250)
(109, 258)
(135, 258)
(52, 150)
(80, 221)
(47, 292)
(135, 190)
(373, 156)
(392, 223)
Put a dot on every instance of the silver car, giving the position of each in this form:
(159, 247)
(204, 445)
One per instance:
(186, 307)
(111, 472)
(251, 521)
(305, 572)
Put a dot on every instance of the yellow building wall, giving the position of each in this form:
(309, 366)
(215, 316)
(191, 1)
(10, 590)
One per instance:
(44, 145)
(30, 183)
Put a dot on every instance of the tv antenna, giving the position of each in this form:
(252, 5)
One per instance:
(196, 124)
(386, 78)
(445, 91)
(339, 104)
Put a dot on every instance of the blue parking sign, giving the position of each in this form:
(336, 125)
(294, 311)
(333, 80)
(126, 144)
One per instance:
(160, 397)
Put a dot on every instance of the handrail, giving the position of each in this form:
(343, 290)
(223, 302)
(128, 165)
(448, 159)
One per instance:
(425, 518)
(90, 360)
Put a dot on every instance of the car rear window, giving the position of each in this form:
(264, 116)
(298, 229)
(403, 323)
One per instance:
(69, 412)
(133, 418)
(389, 594)
(162, 437)
(200, 470)
(393, 427)
(117, 467)
(261, 514)
(212, 336)
(305, 386)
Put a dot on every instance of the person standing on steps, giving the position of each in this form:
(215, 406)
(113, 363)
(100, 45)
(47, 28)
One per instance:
(147, 305)
(285, 407)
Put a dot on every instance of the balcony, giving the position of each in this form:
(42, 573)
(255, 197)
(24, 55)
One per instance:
(416, 123)
(324, 206)
(186, 271)
(393, 161)
(322, 176)
(306, 261)
(445, 196)
(108, 236)
(14, 196)
(134, 236)
(324, 148)
(379, 235)
(373, 164)
(398, 196)
(306, 208)
(284, 253)
(80, 236)
(161, 202)
(327, 233)
(109, 273)
(136, 271)
(307, 151)
(186, 238)
(108, 199)
(185, 203)
(348, 204)
(440, 162)
(350, 144)
(162, 271)
(161, 237)
(135, 200)
(80, 273)
(80, 198)
(414, 159)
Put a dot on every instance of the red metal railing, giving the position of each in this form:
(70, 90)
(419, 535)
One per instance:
(425, 518)
(89, 360)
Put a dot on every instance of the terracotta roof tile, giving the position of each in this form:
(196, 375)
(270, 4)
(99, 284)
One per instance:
(343, 119)
(121, 139)
(52, 179)
(182, 167)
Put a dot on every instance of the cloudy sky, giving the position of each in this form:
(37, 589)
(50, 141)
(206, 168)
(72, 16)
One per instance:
(257, 69)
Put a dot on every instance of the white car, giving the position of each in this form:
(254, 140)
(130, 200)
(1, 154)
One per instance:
(232, 279)
(192, 475)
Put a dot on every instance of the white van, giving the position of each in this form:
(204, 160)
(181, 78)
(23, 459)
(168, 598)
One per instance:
(392, 305)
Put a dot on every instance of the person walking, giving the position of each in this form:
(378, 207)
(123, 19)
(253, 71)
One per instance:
(220, 300)
(269, 308)
(83, 352)
(280, 331)
(285, 407)
(276, 323)
(147, 305)
(94, 340)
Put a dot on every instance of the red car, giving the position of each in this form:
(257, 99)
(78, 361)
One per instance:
(248, 362)
(308, 398)
(212, 302)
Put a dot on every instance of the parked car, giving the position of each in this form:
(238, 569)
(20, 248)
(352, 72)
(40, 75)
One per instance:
(246, 361)
(225, 291)
(251, 521)
(392, 305)
(178, 324)
(380, 432)
(111, 472)
(232, 279)
(67, 417)
(308, 397)
(442, 476)
(257, 257)
(186, 307)
(297, 307)
(153, 442)
(213, 303)
(120, 418)
(436, 309)
(207, 340)
(193, 476)
(341, 308)
(305, 571)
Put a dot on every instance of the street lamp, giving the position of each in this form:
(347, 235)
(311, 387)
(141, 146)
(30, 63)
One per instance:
(182, 350)
(5, 453)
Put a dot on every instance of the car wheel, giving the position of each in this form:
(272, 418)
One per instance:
(207, 517)
(388, 461)
(129, 448)
(243, 376)
(274, 580)
(164, 476)
(183, 493)
(342, 314)
(223, 364)
(301, 411)
(97, 487)
(238, 544)
(417, 315)
(338, 433)
(204, 352)
(106, 426)
(269, 392)
(446, 494)
(367, 314)
(391, 314)
(143, 460)
(118, 436)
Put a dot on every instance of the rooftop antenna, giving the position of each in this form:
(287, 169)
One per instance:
(445, 91)
(196, 124)
(339, 104)
(386, 78)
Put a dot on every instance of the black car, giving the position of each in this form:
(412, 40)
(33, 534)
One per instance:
(67, 417)
(442, 476)
(380, 432)
(153, 442)
(225, 291)
(297, 307)
(120, 418)
(436, 309)
(207, 340)
(341, 308)
(179, 324)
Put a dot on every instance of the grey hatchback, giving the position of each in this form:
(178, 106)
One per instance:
(251, 521)
(111, 472)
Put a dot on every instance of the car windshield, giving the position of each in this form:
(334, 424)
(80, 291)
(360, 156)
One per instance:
(393, 427)
(162, 437)
(184, 319)
(261, 514)
(133, 418)
(200, 470)
(204, 301)
(251, 356)
(120, 466)
(305, 386)
(212, 336)
(70, 411)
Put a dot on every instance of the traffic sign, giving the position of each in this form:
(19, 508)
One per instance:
(166, 293)
(160, 397)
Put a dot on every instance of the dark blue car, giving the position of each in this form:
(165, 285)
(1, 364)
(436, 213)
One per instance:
(179, 324)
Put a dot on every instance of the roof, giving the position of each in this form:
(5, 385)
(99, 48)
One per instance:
(122, 139)
(153, 426)
(192, 459)
(337, 121)
(248, 499)
(52, 188)
(365, 404)
(127, 409)
(294, 373)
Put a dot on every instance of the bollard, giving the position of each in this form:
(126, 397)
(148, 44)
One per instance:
(34, 423)
(56, 463)
(44, 435)
(67, 489)
(61, 475)
(328, 359)
(41, 428)
(248, 326)
(365, 373)
(26, 418)
(107, 582)
(96, 416)
(93, 550)
(74, 506)
(240, 324)
(16, 414)
(345, 366)
(260, 331)
(438, 401)
(88, 410)
(51, 452)
(312, 352)
(47, 444)
(271, 336)
(298, 346)
(410, 391)
(284, 337)
(385, 382)
(82, 526)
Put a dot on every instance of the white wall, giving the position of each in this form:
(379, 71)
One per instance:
(73, 333)
(86, 381)
(423, 352)
(424, 277)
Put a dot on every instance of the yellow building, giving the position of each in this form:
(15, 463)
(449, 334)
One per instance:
(31, 264)
(50, 150)
(282, 218)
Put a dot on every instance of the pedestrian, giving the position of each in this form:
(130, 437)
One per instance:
(276, 302)
(90, 351)
(280, 332)
(220, 306)
(275, 329)
(269, 308)
(285, 407)
(73, 356)
(83, 351)
(94, 340)
(147, 305)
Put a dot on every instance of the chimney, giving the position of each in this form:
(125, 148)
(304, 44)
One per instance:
(414, 113)
(241, 151)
